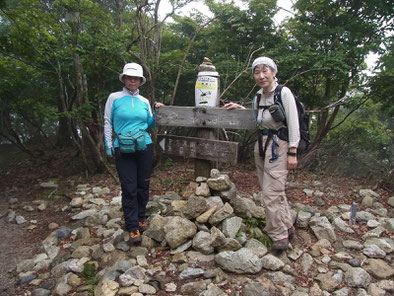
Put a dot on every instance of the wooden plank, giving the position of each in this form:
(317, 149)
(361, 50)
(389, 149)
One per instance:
(207, 117)
(215, 150)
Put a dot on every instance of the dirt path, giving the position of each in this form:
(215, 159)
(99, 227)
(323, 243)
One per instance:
(22, 180)
(12, 252)
(19, 178)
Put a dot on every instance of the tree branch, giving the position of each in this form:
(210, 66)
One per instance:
(303, 72)
(240, 74)
(350, 112)
(185, 56)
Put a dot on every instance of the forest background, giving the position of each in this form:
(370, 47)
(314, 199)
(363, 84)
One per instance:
(60, 59)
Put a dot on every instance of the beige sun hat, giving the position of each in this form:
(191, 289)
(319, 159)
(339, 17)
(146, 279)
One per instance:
(133, 69)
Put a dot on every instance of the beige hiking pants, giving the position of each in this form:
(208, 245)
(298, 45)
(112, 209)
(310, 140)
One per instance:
(272, 179)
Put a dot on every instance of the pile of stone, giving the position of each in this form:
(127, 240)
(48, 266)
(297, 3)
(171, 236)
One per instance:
(208, 221)
(197, 245)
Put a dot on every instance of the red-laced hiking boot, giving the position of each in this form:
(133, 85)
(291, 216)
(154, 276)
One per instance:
(135, 237)
(291, 232)
(280, 245)
(143, 225)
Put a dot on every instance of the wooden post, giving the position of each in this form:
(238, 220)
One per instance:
(206, 93)
(202, 167)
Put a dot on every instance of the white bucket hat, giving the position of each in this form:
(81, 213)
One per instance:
(264, 61)
(133, 69)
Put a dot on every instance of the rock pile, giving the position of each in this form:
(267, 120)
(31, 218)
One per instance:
(200, 244)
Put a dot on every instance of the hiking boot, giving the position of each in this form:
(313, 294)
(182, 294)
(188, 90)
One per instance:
(280, 245)
(143, 225)
(135, 237)
(291, 232)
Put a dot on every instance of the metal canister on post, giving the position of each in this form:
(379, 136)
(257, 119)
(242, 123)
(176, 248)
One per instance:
(207, 85)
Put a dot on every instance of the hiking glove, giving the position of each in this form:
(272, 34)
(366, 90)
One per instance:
(110, 152)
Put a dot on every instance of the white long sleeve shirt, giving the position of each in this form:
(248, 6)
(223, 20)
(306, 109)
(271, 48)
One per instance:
(265, 120)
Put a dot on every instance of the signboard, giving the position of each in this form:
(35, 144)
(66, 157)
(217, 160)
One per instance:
(206, 90)
(206, 117)
(199, 148)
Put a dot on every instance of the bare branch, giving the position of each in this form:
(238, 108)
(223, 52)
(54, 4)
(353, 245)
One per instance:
(289, 11)
(347, 115)
(240, 74)
(185, 56)
(303, 72)
(341, 101)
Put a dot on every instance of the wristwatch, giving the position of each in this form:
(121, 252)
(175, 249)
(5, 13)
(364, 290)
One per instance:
(291, 153)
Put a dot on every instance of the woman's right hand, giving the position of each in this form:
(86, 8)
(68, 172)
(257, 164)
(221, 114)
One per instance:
(232, 105)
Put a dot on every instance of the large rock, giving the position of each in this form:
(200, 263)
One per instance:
(256, 246)
(217, 238)
(342, 225)
(194, 207)
(373, 251)
(193, 288)
(231, 244)
(221, 214)
(215, 201)
(178, 230)
(84, 214)
(156, 228)
(243, 207)
(303, 219)
(221, 183)
(378, 268)
(201, 243)
(204, 217)
(242, 261)
(357, 277)
(230, 226)
(328, 282)
(389, 225)
(131, 275)
(228, 194)
(272, 262)
(258, 289)
(390, 201)
(279, 277)
(368, 193)
(203, 190)
(106, 288)
(322, 228)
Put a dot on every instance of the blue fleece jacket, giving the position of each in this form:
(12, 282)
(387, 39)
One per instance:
(126, 111)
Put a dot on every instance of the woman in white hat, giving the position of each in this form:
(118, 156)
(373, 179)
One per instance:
(272, 164)
(128, 111)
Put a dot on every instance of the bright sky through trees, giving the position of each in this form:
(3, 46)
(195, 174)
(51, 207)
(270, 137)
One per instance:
(286, 10)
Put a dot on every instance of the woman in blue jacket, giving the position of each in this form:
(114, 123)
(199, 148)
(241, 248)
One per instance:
(127, 111)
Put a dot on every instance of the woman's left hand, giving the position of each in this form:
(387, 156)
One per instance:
(158, 104)
(291, 162)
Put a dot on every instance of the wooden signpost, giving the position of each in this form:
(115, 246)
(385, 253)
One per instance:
(199, 148)
(206, 118)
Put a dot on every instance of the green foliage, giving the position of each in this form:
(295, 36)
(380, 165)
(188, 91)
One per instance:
(89, 273)
(361, 147)
(253, 223)
(381, 84)
(169, 161)
(263, 238)
(320, 52)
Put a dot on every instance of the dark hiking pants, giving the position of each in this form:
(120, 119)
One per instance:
(134, 170)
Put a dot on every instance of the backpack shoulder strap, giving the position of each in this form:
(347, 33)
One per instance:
(278, 98)
(277, 94)
(258, 99)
